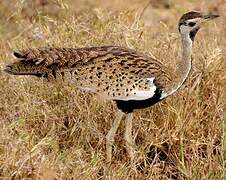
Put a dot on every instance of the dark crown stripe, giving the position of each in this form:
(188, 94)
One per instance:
(190, 15)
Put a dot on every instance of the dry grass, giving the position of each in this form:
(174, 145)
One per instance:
(52, 131)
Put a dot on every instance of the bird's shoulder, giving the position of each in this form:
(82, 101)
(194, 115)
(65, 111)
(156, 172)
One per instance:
(73, 56)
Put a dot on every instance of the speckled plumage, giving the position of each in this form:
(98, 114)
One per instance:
(132, 79)
(111, 71)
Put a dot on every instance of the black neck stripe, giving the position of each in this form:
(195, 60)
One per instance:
(193, 33)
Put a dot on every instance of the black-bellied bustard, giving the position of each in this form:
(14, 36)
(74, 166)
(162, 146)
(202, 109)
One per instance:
(130, 78)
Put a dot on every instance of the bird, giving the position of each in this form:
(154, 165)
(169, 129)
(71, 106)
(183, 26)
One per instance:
(132, 79)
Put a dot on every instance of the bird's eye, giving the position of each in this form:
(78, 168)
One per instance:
(191, 24)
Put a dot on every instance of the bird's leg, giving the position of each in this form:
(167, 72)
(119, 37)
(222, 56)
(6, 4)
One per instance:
(130, 145)
(111, 134)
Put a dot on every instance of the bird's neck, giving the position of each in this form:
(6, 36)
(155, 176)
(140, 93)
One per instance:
(183, 65)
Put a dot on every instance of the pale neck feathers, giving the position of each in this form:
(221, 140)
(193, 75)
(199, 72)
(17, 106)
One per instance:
(183, 66)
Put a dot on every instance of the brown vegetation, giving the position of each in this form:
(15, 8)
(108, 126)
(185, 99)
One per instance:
(56, 131)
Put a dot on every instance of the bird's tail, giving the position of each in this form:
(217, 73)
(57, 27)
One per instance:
(26, 66)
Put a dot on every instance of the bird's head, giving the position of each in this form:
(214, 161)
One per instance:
(191, 22)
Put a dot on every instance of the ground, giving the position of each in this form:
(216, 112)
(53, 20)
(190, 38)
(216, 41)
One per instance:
(54, 131)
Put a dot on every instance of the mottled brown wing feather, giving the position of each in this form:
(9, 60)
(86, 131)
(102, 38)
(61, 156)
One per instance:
(113, 71)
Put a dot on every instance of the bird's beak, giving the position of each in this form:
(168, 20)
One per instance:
(208, 17)
(205, 18)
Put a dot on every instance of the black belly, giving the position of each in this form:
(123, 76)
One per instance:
(131, 105)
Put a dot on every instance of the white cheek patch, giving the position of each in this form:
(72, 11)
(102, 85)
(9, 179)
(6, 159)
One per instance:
(185, 29)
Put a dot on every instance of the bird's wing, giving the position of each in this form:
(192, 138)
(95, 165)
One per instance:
(111, 71)
(132, 76)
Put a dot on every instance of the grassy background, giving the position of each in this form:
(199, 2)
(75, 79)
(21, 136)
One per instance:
(55, 131)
